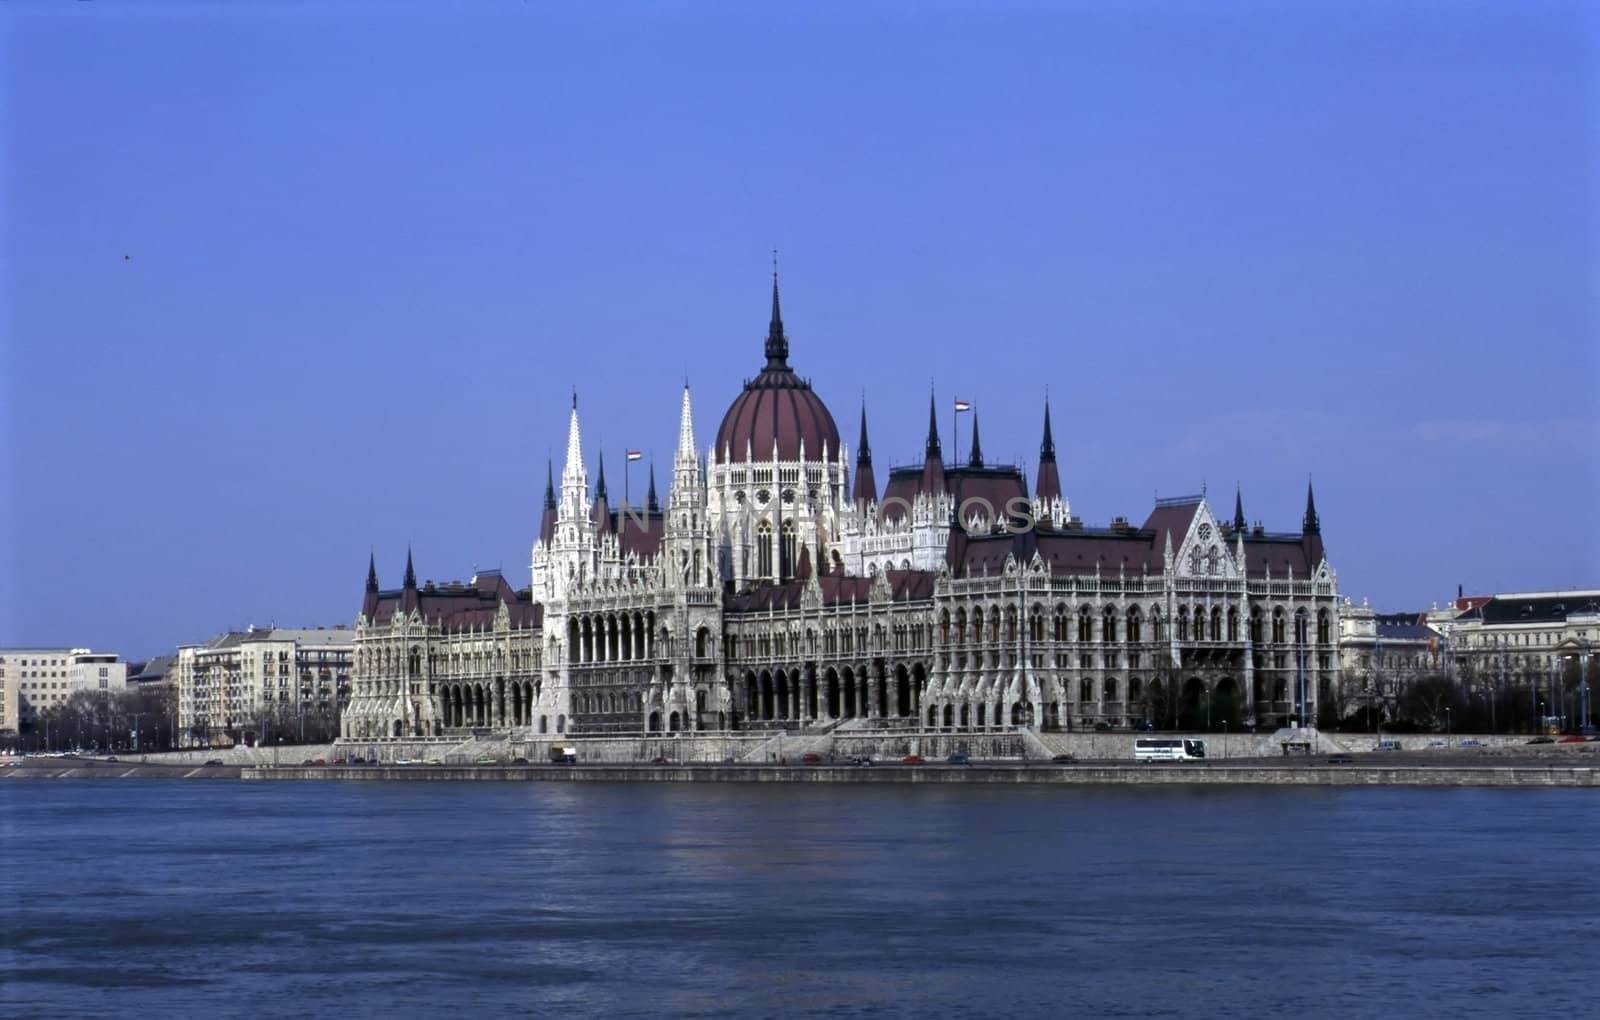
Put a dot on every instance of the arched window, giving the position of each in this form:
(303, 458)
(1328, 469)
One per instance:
(1135, 626)
(1108, 625)
(787, 553)
(1085, 624)
(1183, 623)
(764, 550)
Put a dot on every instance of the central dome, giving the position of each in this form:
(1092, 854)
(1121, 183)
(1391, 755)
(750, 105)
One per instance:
(777, 405)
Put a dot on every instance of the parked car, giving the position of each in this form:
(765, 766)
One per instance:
(215, 761)
(959, 758)
(1542, 740)
(811, 758)
(488, 759)
(1386, 745)
(659, 760)
(1065, 759)
(314, 761)
(1145, 726)
(1437, 743)
(861, 761)
(1102, 727)
(911, 759)
(1573, 739)
(519, 760)
(1339, 759)
(341, 761)
(1469, 742)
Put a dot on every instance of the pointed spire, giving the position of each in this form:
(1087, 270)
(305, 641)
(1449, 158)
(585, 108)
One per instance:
(372, 572)
(411, 575)
(686, 454)
(863, 448)
(549, 485)
(933, 480)
(933, 450)
(600, 482)
(976, 460)
(651, 503)
(1047, 447)
(547, 521)
(777, 343)
(1239, 523)
(866, 484)
(1311, 525)
(1049, 482)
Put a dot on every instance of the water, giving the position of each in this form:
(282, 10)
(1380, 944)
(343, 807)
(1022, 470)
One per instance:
(501, 899)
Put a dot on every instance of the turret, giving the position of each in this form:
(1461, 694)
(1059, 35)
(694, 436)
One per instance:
(1049, 486)
(933, 482)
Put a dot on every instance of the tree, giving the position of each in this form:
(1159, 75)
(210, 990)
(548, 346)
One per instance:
(1426, 699)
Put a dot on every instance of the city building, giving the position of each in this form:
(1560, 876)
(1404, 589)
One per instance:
(234, 685)
(33, 680)
(1381, 655)
(1542, 645)
(774, 590)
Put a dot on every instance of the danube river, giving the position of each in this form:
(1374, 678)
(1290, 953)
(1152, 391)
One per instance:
(512, 899)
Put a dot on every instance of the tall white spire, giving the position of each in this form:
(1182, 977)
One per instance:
(574, 476)
(686, 451)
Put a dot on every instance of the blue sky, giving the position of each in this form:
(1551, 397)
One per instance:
(283, 283)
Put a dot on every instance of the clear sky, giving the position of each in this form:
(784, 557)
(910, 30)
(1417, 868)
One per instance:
(285, 283)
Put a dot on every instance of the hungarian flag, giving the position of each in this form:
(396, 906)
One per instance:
(635, 454)
(963, 405)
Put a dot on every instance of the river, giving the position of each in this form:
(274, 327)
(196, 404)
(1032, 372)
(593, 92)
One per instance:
(502, 899)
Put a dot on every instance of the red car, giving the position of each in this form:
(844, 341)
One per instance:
(314, 761)
(811, 758)
(1574, 739)
(911, 759)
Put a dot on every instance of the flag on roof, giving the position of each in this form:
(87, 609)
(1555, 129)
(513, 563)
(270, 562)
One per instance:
(635, 454)
(963, 405)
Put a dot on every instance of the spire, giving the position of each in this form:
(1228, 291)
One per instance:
(600, 482)
(933, 481)
(1239, 523)
(372, 573)
(1049, 483)
(1311, 525)
(547, 522)
(976, 460)
(777, 343)
(863, 448)
(600, 513)
(651, 503)
(411, 575)
(686, 452)
(866, 485)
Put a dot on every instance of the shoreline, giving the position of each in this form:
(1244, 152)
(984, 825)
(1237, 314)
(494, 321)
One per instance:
(1535, 774)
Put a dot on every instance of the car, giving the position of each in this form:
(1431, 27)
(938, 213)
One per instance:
(215, 761)
(1437, 743)
(519, 760)
(861, 761)
(1386, 745)
(811, 758)
(658, 760)
(434, 761)
(488, 759)
(318, 762)
(1542, 740)
(360, 761)
(1145, 726)
(911, 759)
(404, 761)
(111, 757)
(1102, 727)
(959, 758)
(1339, 759)
(1573, 739)
(1065, 759)
(341, 761)
(1469, 742)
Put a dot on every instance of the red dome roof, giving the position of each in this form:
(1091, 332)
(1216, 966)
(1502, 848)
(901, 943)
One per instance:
(777, 405)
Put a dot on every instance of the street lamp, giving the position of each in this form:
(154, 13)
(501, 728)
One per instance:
(1447, 720)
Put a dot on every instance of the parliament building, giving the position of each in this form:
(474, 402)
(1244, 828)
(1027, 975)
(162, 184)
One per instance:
(779, 587)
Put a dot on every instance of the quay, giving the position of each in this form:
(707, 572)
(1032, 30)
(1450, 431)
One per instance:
(1523, 771)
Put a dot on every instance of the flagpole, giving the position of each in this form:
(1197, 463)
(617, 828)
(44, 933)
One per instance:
(955, 430)
(627, 470)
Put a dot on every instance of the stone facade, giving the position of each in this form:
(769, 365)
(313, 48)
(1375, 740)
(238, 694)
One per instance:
(35, 679)
(766, 594)
(231, 682)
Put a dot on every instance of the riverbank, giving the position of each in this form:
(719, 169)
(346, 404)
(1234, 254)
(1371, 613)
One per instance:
(1531, 772)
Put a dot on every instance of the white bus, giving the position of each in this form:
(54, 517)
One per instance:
(1168, 749)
